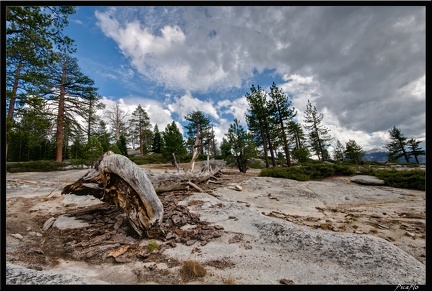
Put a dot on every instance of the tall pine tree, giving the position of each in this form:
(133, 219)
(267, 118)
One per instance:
(396, 147)
(258, 120)
(283, 113)
(140, 125)
(318, 134)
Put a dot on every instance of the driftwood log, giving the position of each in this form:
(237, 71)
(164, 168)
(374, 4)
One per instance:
(117, 180)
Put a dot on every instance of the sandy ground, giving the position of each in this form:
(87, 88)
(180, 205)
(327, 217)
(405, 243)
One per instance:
(272, 231)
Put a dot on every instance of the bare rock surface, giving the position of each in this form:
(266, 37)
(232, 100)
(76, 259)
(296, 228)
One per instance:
(367, 180)
(245, 230)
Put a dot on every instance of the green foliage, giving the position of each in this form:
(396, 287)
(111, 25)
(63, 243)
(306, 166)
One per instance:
(140, 129)
(172, 142)
(353, 151)
(198, 122)
(301, 154)
(343, 170)
(241, 145)
(294, 173)
(407, 179)
(156, 145)
(93, 150)
(396, 147)
(121, 144)
(254, 163)
(34, 166)
(316, 170)
(308, 171)
(148, 159)
(318, 134)
(152, 246)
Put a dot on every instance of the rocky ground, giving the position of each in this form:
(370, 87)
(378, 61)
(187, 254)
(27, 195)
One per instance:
(243, 229)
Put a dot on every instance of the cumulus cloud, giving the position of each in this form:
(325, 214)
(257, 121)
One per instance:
(363, 66)
(185, 104)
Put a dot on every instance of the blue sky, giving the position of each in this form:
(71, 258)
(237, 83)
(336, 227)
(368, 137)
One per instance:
(362, 67)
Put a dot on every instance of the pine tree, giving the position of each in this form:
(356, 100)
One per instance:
(353, 151)
(103, 135)
(199, 124)
(72, 92)
(156, 146)
(296, 134)
(318, 134)
(93, 150)
(258, 119)
(339, 151)
(31, 135)
(32, 33)
(140, 125)
(241, 145)
(396, 147)
(414, 149)
(172, 142)
(283, 113)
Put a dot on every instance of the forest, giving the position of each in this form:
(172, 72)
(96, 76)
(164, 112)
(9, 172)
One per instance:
(51, 113)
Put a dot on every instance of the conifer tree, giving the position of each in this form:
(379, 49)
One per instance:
(282, 113)
(33, 34)
(156, 146)
(353, 151)
(318, 134)
(72, 92)
(258, 119)
(414, 149)
(199, 124)
(396, 147)
(140, 125)
(172, 142)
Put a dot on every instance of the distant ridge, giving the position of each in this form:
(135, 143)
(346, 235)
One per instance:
(378, 155)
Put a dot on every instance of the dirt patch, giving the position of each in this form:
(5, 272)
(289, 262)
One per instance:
(109, 242)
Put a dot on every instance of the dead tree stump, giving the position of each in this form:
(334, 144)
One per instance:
(117, 180)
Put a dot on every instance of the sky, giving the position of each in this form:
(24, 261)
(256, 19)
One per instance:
(362, 67)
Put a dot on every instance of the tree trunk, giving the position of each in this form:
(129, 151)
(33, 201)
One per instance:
(196, 151)
(60, 118)
(118, 181)
(12, 104)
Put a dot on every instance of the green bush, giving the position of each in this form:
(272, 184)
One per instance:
(407, 179)
(294, 173)
(147, 159)
(343, 170)
(34, 166)
(308, 171)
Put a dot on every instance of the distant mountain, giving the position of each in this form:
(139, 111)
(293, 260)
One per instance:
(378, 155)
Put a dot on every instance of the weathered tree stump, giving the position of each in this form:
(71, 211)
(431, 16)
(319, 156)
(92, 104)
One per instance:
(117, 180)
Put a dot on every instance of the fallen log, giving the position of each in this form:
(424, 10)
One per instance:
(117, 180)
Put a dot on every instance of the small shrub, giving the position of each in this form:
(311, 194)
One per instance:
(408, 179)
(152, 246)
(343, 170)
(147, 159)
(229, 281)
(192, 269)
(294, 173)
(34, 166)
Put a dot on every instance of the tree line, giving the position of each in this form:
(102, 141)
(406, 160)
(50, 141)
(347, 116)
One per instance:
(48, 100)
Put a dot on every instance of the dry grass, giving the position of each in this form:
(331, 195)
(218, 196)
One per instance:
(229, 281)
(191, 270)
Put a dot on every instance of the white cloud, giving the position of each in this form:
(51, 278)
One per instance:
(186, 104)
(362, 66)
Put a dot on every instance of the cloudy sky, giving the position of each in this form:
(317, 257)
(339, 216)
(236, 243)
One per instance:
(362, 67)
